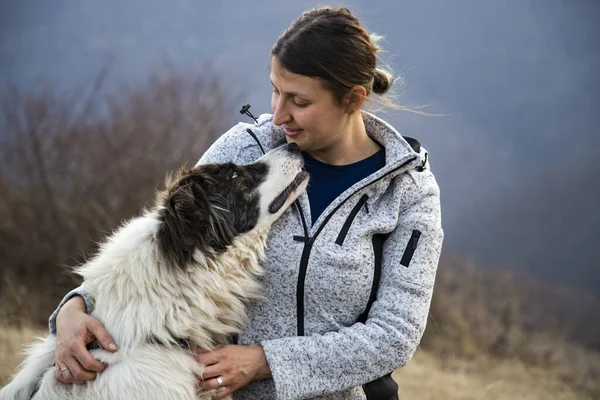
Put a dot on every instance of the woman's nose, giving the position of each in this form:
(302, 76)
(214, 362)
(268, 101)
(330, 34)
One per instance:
(280, 114)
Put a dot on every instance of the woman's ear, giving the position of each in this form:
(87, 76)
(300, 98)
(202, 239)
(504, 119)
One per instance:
(355, 99)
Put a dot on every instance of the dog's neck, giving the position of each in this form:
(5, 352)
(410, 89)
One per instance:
(139, 296)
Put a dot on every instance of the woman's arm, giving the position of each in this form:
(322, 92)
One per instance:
(310, 366)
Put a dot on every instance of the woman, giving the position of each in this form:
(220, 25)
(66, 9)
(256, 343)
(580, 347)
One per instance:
(350, 271)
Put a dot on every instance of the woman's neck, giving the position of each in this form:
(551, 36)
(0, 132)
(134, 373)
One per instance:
(350, 146)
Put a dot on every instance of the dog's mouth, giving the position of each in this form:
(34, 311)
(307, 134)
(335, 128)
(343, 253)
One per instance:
(280, 200)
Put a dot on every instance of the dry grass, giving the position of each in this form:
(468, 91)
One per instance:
(478, 313)
(12, 344)
(426, 377)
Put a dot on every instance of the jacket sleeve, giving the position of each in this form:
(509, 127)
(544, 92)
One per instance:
(309, 366)
(224, 149)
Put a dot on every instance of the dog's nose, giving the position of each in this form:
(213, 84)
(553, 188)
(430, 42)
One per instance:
(293, 147)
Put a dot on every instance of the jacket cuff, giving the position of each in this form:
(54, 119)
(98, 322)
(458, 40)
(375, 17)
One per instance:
(79, 291)
(283, 376)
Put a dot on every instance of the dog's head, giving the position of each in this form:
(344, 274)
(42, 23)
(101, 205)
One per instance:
(207, 207)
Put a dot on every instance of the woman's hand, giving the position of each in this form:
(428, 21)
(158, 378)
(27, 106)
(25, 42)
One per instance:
(236, 366)
(74, 330)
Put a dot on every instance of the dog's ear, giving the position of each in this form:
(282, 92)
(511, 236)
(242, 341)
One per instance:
(185, 222)
(189, 203)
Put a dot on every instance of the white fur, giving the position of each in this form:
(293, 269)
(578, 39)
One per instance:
(137, 295)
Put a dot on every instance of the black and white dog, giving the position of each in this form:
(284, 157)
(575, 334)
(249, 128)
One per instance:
(181, 272)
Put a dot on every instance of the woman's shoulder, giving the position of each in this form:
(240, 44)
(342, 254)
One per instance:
(419, 180)
(423, 180)
(240, 136)
(242, 133)
(226, 147)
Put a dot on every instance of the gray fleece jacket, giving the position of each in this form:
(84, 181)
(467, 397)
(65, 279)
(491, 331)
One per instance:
(319, 278)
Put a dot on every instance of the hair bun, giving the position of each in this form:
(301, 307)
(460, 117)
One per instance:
(382, 81)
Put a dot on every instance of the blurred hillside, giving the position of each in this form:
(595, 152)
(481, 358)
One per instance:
(549, 222)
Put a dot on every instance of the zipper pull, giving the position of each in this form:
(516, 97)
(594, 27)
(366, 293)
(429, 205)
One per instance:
(246, 110)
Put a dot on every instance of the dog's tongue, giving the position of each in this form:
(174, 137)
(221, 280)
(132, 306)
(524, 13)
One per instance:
(280, 200)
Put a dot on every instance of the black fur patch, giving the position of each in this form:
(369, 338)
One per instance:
(207, 207)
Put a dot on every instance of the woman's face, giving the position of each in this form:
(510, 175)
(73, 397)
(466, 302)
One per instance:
(310, 114)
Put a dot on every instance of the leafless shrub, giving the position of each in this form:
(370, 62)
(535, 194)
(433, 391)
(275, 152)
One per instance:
(72, 170)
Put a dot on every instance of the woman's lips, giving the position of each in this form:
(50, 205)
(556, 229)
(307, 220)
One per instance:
(292, 132)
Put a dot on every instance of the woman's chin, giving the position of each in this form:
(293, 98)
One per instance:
(297, 140)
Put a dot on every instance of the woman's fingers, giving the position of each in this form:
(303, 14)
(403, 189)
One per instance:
(86, 360)
(75, 329)
(223, 393)
(63, 374)
(220, 385)
(67, 355)
(210, 372)
(208, 357)
(213, 383)
(77, 371)
(97, 330)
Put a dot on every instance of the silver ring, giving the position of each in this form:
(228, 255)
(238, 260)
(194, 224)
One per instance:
(219, 382)
(63, 369)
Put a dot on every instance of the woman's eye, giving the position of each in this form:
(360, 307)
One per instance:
(301, 105)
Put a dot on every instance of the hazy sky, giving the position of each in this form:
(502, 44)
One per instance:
(519, 79)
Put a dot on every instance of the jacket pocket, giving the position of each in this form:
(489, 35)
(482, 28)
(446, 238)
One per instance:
(350, 219)
(410, 248)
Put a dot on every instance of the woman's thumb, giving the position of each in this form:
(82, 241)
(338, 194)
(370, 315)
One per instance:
(102, 335)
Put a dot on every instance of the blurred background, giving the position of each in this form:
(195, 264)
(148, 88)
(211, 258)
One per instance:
(99, 100)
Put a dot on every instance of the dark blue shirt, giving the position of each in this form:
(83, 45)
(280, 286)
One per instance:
(328, 181)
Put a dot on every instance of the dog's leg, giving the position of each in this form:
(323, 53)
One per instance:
(40, 358)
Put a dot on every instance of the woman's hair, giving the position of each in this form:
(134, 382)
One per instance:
(331, 44)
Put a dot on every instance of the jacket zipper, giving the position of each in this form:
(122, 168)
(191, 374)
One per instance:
(411, 246)
(377, 245)
(308, 243)
(350, 219)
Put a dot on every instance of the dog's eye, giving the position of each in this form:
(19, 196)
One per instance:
(234, 175)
